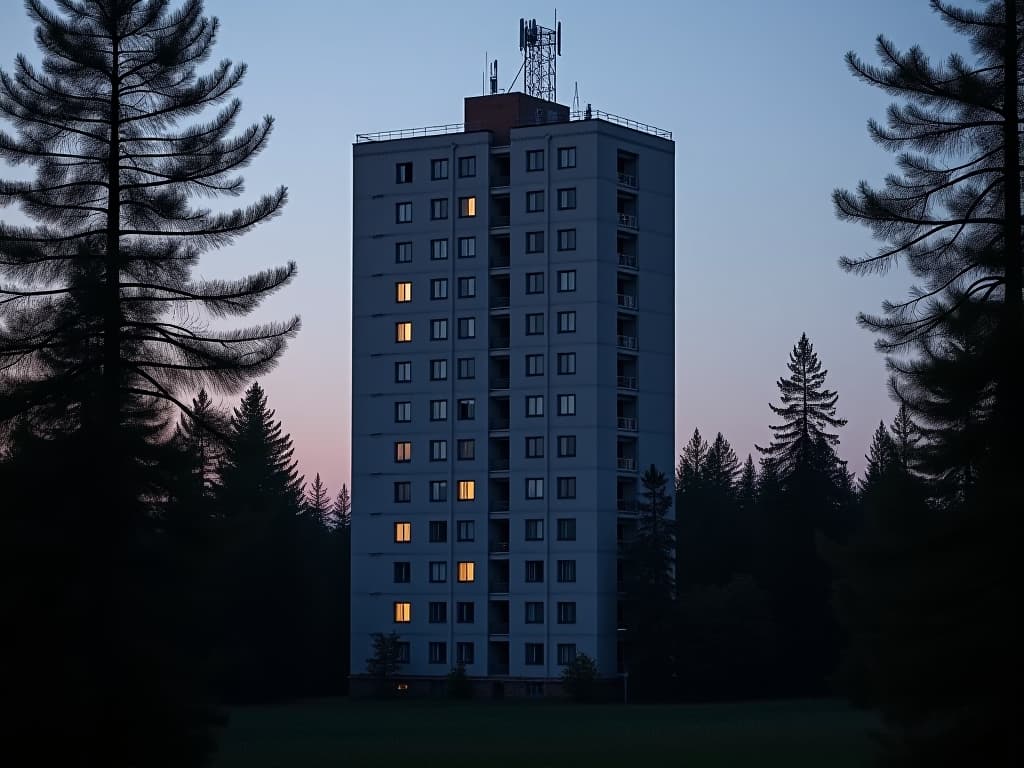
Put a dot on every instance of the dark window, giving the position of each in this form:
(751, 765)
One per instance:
(566, 446)
(439, 410)
(403, 213)
(534, 571)
(439, 448)
(535, 447)
(464, 654)
(438, 571)
(534, 612)
(467, 287)
(439, 208)
(467, 449)
(535, 405)
(403, 412)
(535, 282)
(403, 573)
(566, 363)
(439, 288)
(567, 199)
(567, 157)
(439, 490)
(403, 491)
(464, 613)
(567, 239)
(465, 530)
(467, 409)
(535, 201)
(402, 654)
(438, 613)
(438, 329)
(567, 529)
(566, 653)
(566, 571)
(535, 242)
(567, 487)
(403, 173)
(567, 405)
(467, 167)
(535, 365)
(438, 531)
(403, 253)
(567, 322)
(535, 160)
(566, 280)
(534, 654)
(438, 250)
(567, 613)
(535, 324)
(467, 367)
(467, 327)
(438, 370)
(438, 653)
(439, 169)
(535, 487)
(467, 247)
(534, 530)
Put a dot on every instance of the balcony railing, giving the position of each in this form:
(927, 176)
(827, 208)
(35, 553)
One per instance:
(497, 668)
(499, 505)
(626, 260)
(625, 342)
(629, 465)
(500, 302)
(499, 547)
(494, 628)
(500, 260)
(626, 300)
(498, 220)
(627, 220)
(627, 424)
(499, 382)
(499, 342)
(499, 465)
(626, 382)
(498, 587)
(502, 180)
(627, 180)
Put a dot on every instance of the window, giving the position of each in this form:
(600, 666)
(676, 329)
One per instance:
(439, 208)
(464, 613)
(464, 654)
(535, 530)
(438, 653)
(567, 405)
(402, 652)
(535, 242)
(566, 363)
(535, 487)
(566, 571)
(465, 530)
(567, 322)
(403, 372)
(466, 449)
(403, 412)
(403, 332)
(439, 490)
(438, 370)
(467, 570)
(403, 253)
(567, 487)
(535, 160)
(467, 409)
(535, 447)
(403, 491)
(567, 280)
(403, 451)
(534, 654)
(439, 448)
(467, 367)
(403, 613)
(403, 213)
(567, 239)
(535, 365)
(566, 653)
(467, 207)
(467, 287)
(534, 571)
(439, 410)
(439, 169)
(467, 247)
(567, 529)
(438, 612)
(567, 157)
(439, 329)
(467, 166)
(534, 613)
(535, 282)
(403, 292)
(438, 571)
(403, 173)
(403, 533)
(403, 572)
(467, 327)
(534, 405)
(438, 531)
(439, 288)
(535, 324)
(567, 199)
(535, 201)
(467, 490)
(566, 446)
(439, 249)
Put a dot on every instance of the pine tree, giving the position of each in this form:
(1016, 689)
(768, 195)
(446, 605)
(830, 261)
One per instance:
(318, 502)
(201, 435)
(341, 512)
(722, 468)
(905, 437)
(881, 457)
(746, 488)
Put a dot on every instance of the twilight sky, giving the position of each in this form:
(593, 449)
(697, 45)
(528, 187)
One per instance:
(766, 119)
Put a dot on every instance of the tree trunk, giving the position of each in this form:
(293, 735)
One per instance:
(110, 407)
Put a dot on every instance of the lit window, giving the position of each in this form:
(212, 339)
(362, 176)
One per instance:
(403, 292)
(403, 613)
(403, 451)
(467, 207)
(467, 571)
(403, 533)
(467, 490)
(403, 332)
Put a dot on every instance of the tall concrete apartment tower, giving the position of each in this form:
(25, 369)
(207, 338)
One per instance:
(513, 367)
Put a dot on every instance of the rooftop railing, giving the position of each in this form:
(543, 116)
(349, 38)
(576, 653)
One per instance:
(413, 133)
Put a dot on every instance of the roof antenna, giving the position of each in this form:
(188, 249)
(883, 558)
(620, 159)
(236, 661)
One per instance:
(576, 96)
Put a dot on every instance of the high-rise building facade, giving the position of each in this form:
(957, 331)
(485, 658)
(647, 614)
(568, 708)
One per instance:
(513, 369)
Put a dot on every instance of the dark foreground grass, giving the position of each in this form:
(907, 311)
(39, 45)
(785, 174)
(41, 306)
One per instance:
(323, 734)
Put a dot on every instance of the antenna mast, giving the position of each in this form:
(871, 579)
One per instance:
(541, 48)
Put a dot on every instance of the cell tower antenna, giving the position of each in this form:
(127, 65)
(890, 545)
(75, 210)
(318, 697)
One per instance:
(541, 48)
(576, 96)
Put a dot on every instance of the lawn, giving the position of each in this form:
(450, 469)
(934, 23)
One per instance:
(322, 734)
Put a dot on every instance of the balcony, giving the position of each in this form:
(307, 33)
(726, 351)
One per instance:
(624, 342)
(499, 220)
(502, 180)
(500, 342)
(627, 465)
(625, 260)
(499, 464)
(627, 180)
(500, 260)
(494, 628)
(499, 382)
(626, 382)
(500, 302)
(497, 668)
(499, 547)
(627, 221)
(626, 506)
(498, 587)
(626, 301)
(626, 424)
(499, 505)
